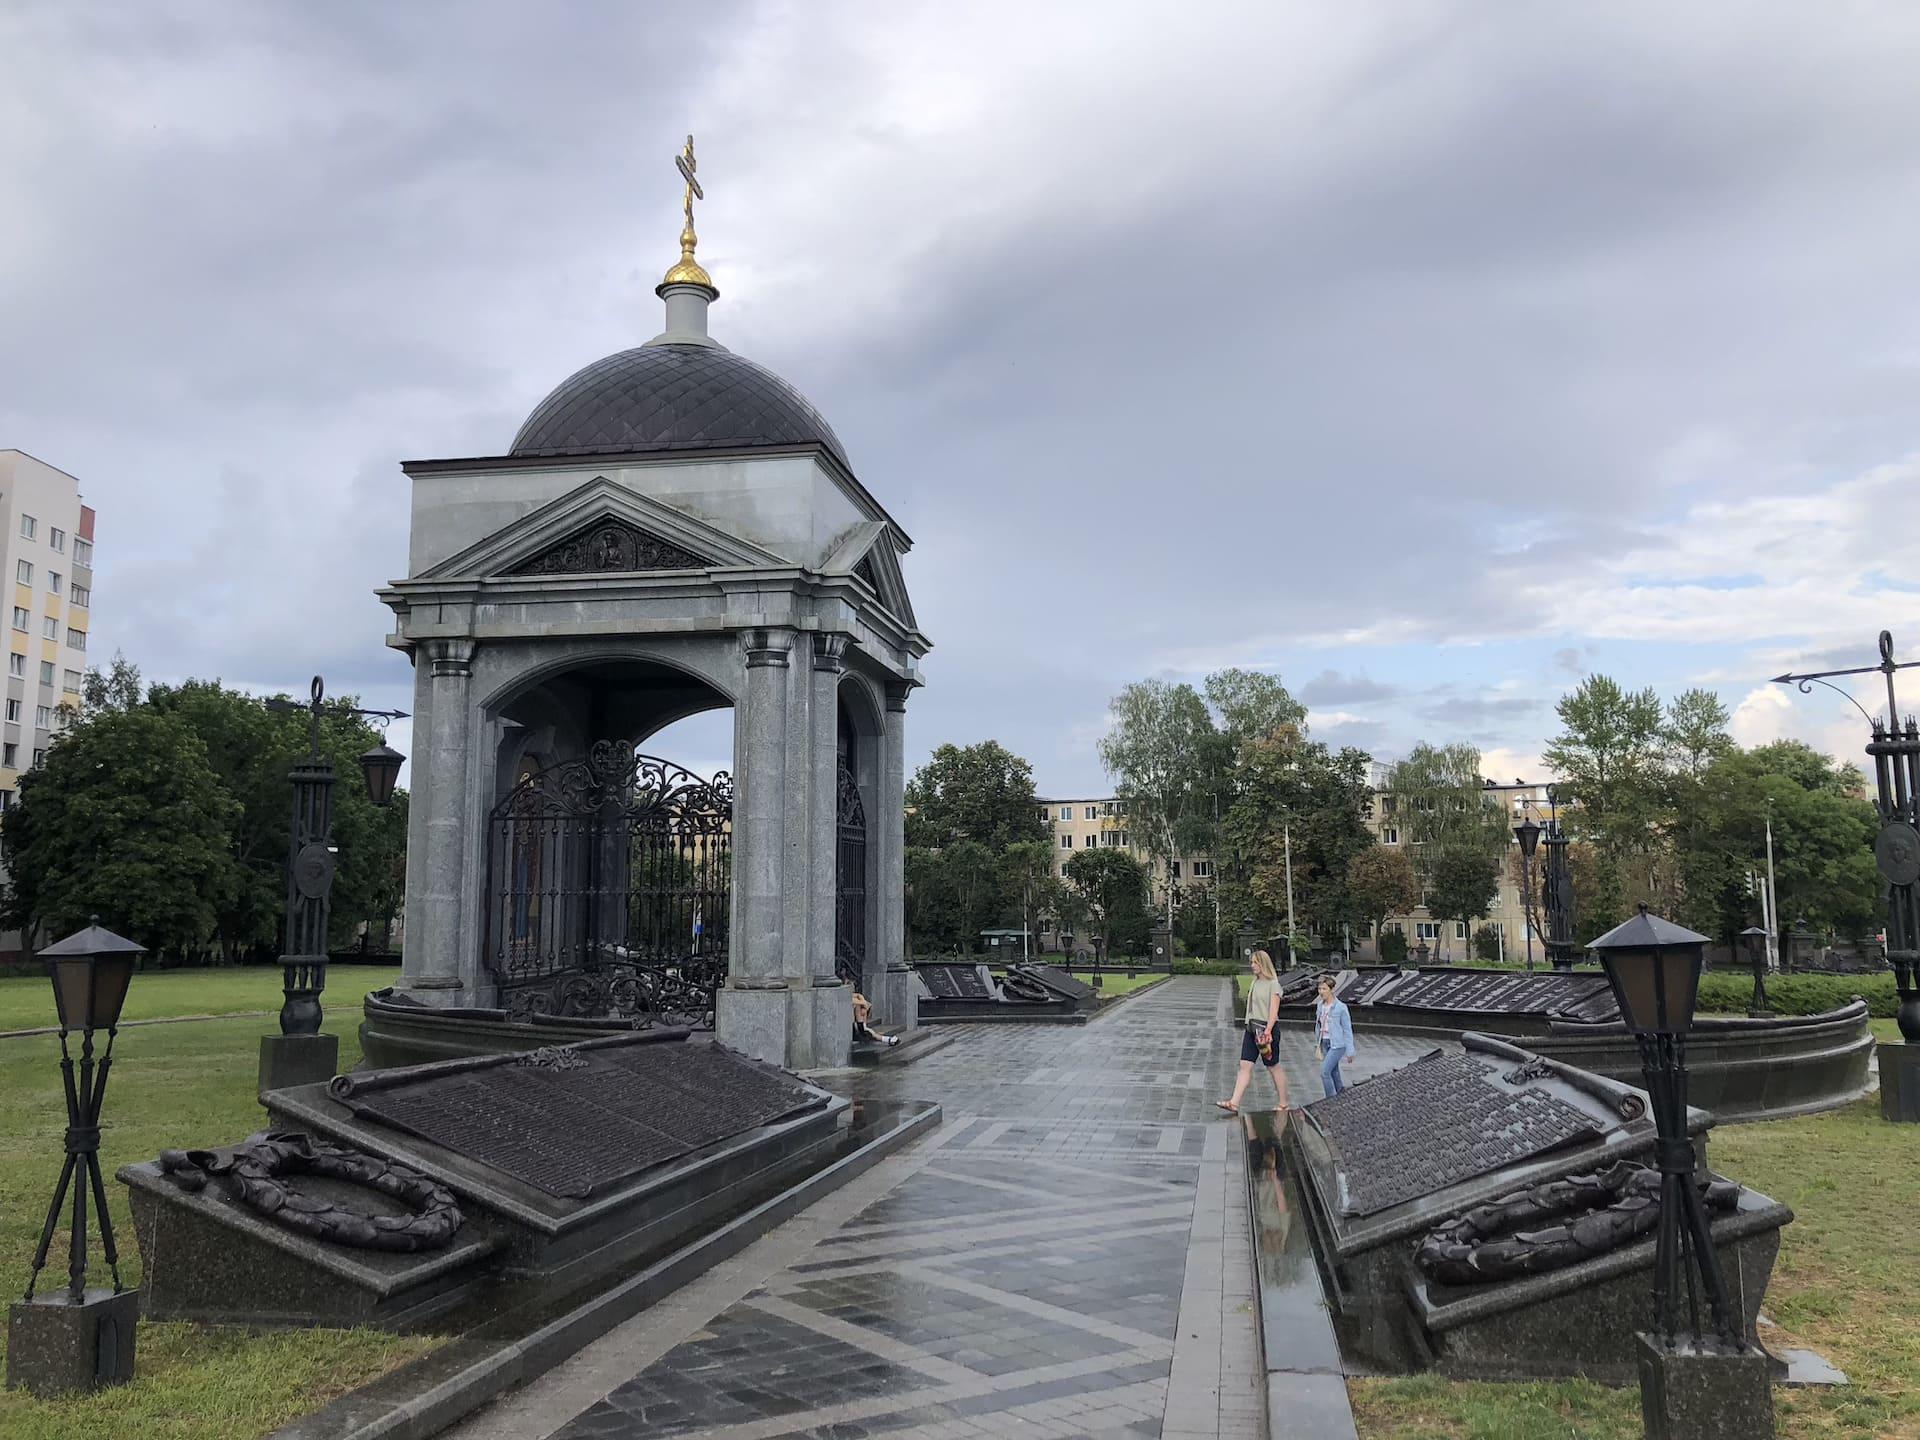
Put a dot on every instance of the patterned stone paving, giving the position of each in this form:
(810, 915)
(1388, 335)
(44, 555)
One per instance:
(1066, 1258)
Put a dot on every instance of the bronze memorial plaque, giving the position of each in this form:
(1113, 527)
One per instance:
(571, 1122)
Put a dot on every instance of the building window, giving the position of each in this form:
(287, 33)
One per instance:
(1387, 804)
(6, 799)
(39, 758)
(1089, 842)
(1426, 929)
(22, 620)
(1389, 835)
(1066, 812)
(1203, 869)
(27, 526)
(1124, 841)
(83, 552)
(43, 717)
(23, 571)
(46, 672)
(53, 581)
(70, 681)
(13, 712)
(17, 665)
(57, 538)
(50, 626)
(1066, 842)
(10, 755)
(81, 596)
(1093, 812)
(77, 639)
(1459, 929)
(1175, 870)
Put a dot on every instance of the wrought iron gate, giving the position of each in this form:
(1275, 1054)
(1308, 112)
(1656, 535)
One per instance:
(850, 883)
(608, 881)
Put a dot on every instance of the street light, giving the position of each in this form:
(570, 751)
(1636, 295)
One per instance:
(80, 1340)
(299, 1054)
(1528, 834)
(1654, 968)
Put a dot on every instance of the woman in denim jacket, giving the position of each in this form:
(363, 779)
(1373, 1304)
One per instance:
(1333, 1026)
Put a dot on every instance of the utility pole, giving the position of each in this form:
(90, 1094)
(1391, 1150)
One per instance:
(1773, 904)
(1286, 835)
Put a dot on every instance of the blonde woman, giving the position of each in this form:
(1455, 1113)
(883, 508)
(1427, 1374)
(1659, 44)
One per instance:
(1257, 1040)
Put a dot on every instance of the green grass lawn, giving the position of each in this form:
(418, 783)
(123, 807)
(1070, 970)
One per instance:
(26, 1001)
(1845, 1285)
(1115, 985)
(172, 1085)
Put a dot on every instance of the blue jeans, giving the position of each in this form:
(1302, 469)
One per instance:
(1330, 1078)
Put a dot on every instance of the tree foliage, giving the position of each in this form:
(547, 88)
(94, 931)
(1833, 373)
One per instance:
(126, 820)
(978, 852)
(1113, 887)
(1381, 881)
(1164, 754)
(980, 792)
(1610, 756)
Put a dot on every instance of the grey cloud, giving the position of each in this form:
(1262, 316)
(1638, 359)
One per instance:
(1331, 687)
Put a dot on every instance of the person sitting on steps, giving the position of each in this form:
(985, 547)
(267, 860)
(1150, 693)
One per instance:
(863, 1023)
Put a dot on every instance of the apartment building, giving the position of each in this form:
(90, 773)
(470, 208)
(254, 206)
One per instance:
(1087, 824)
(1452, 940)
(46, 546)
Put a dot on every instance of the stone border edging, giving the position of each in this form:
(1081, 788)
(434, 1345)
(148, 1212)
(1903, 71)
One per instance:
(427, 1395)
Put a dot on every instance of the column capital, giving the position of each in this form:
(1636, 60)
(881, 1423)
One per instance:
(767, 648)
(897, 693)
(829, 652)
(452, 658)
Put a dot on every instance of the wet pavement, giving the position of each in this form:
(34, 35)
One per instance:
(1068, 1256)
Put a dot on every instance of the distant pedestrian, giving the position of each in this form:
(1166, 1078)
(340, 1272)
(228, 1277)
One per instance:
(1257, 1040)
(1333, 1027)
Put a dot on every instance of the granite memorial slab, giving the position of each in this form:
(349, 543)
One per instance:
(960, 990)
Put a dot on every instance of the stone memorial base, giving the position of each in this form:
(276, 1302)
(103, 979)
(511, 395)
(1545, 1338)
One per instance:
(1703, 1389)
(1900, 1082)
(805, 1025)
(55, 1347)
(288, 1060)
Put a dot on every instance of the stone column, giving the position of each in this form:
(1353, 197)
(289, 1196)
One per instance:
(752, 1008)
(899, 995)
(829, 1006)
(440, 964)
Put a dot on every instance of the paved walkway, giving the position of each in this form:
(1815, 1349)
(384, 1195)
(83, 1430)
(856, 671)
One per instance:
(1067, 1257)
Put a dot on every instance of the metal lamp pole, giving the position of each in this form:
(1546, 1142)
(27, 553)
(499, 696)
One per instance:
(1527, 832)
(310, 862)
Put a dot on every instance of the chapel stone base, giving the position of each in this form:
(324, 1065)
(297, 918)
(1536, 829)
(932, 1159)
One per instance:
(1704, 1389)
(801, 1025)
(1900, 1082)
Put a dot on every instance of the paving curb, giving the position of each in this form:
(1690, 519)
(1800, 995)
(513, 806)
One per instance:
(427, 1395)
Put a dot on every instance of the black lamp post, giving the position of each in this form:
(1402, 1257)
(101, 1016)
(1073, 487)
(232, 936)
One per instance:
(80, 1340)
(1528, 834)
(310, 866)
(1694, 1385)
(1756, 941)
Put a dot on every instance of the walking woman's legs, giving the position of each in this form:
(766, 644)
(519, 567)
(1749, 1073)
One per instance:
(1240, 1085)
(1278, 1074)
(1331, 1080)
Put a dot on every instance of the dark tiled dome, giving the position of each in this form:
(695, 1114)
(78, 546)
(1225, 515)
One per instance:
(672, 397)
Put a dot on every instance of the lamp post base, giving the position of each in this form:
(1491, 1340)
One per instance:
(1899, 1082)
(297, 1060)
(55, 1347)
(1695, 1388)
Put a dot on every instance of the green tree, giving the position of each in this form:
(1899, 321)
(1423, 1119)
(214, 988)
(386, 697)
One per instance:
(1461, 882)
(1610, 756)
(1164, 755)
(1252, 705)
(1292, 792)
(980, 792)
(1381, 881)
(126, 820)
(1695, 732)
(1441, 800)
(1029, 878)
(1113, 887)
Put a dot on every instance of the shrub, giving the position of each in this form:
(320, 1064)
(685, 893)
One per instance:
(1393, 947)
(1730, 990)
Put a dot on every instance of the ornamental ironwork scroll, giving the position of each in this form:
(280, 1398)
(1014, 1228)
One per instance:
(610, 546)
(608, 887)
(850, 887)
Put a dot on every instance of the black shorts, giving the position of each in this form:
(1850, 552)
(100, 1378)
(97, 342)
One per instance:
(1250, 1045)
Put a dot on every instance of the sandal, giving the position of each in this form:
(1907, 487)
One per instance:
(1228, 1106)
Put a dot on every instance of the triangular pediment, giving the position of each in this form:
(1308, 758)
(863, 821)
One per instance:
(868, 554)
(602, 528)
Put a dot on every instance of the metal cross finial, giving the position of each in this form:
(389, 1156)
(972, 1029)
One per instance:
(1805, 683)
(685, 162)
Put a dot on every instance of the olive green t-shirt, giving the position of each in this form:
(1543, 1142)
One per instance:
(1260, 999)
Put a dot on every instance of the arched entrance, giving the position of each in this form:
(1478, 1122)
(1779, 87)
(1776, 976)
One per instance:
(850, 877)
(609, 882)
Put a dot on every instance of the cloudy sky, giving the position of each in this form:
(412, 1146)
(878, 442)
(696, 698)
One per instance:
(1430, 355)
